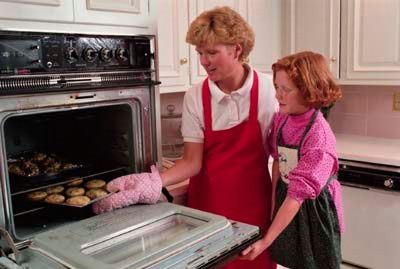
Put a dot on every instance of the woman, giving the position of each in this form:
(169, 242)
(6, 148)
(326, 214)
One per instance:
(225, 120)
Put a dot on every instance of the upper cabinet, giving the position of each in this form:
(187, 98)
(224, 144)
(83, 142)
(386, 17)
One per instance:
(80, 16)
(368, 38)
(116, 12)
(370, 41)
(179, 63)
(313, 25)
(173, 51)
(38, 10)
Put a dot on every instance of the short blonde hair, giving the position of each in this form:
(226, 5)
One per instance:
(221, 25)
(310, 73)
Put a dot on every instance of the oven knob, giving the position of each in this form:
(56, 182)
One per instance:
(49, 64)
(388, 183)
(122, 54)
(89, 55)
(105, 54)
(72, 55)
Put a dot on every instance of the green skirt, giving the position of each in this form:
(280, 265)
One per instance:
(312, 238)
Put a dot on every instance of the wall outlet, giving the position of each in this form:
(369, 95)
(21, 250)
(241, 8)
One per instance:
(396, 102)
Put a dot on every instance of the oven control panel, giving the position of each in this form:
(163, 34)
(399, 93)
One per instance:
(23, 53)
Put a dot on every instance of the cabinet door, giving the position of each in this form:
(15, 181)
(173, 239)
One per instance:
(37, 10)
(133, 13)
(371, 43)
(173, 53)
(197, 73)
(313, 25)
(265, 17)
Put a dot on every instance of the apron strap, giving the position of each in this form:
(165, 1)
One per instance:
(206, 98)
(330, 179)
(253, 112)
(308, 127)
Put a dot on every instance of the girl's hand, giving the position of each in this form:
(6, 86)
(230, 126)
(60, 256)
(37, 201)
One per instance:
(251, 252)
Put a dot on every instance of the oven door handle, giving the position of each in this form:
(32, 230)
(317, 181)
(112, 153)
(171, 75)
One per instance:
(78, 96)
(354, 185)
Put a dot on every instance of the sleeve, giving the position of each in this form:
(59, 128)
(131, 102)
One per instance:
(316, 165)
(192, 127)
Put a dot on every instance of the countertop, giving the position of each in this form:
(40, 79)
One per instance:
(368, 149)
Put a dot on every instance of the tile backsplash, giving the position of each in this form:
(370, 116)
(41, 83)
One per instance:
(363, 110)
(367, 111)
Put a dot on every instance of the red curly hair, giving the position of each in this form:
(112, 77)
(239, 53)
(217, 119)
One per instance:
(311, 75)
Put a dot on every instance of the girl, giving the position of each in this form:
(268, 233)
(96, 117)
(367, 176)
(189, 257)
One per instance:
(308, 218)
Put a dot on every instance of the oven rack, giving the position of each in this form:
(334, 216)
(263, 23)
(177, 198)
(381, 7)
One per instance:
(22, 207)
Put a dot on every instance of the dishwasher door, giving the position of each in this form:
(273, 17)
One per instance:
(372, 218)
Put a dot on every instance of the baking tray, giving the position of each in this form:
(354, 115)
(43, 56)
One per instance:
(63, 192)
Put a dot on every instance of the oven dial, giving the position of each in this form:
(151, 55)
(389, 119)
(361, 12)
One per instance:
(71, 54)
(89, 55)
(106, 54)
(388, 183)
(122, 54)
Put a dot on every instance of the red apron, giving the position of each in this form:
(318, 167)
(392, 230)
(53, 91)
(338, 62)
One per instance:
(234, 180)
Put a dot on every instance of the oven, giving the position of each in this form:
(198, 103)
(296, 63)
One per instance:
(371, 200)
(76, 106)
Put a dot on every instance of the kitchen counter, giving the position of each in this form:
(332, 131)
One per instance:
(368, 149)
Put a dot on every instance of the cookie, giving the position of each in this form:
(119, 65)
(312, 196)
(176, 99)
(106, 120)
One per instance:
(54, 189)
(75, 182)
(54, 198)
(95, 183)
(96, 193)
(78, 200)
(36, 195)
(75, 191)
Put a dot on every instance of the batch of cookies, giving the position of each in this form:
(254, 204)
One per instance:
(74, 193)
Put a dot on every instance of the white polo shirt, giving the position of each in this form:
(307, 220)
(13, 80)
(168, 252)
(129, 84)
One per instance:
(228, 110)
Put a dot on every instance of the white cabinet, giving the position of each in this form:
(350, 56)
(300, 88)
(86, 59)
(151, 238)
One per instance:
(313, 25)
(368, 37)
(179, 63)
(173, 51)
(38, 10)
(133, 13)
(370, 41)
(80, 16)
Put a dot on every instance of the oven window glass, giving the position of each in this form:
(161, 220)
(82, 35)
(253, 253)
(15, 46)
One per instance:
(145, 240)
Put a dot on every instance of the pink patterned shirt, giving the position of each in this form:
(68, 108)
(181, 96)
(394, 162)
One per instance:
(318, 158)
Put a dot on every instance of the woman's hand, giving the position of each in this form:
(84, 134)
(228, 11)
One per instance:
(251, 252)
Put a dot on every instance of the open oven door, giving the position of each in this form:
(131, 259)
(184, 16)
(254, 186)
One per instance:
(163, 235)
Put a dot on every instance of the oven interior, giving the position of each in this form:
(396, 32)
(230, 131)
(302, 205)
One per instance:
(99, 140)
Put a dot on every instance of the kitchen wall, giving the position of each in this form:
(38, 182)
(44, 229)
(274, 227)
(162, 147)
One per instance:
(363, 110)
(367, 111)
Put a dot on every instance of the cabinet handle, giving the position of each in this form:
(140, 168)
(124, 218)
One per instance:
(333, 59)
(184, 61)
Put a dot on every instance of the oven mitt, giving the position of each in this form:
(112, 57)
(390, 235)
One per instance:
(142, 188)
